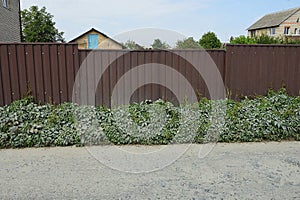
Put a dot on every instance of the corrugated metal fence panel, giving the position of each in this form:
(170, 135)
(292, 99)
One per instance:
(46, 70)
(253, 69)
(5, 75)
(49, 70)
(109, 66)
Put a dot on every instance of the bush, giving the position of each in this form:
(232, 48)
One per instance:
(262, 39)
(273, 117)
(142, 123)
(242, 40)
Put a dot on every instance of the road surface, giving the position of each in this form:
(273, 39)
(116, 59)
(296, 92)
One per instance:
(229, 171)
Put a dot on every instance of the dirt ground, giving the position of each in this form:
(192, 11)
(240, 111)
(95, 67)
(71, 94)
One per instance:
(225, 171)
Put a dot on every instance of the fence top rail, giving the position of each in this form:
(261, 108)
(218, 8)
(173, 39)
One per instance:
(155, 50)
(262, 45)
(36, 43)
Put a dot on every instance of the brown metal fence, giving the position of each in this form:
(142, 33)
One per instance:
(49, 71)
(123, 61)
(253, 69)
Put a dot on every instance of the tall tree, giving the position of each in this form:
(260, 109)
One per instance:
(38, 26)
(188, 43)
(210, 41)
(132, 45)
(158, 44)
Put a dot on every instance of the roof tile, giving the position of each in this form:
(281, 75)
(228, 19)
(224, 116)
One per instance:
(273, 19)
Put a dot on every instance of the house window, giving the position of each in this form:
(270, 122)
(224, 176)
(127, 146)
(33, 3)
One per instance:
(295, 31)
(4, 3)
(92, 41)
(253, 33)
(286, 30)
(297, 20)
(272, 31)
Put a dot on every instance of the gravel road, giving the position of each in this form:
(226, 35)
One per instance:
(229, 171)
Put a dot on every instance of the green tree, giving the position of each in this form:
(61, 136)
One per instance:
(158, 44)
(38, 26)
(132, 45)
(242, 40)
(188, 43)
(265, 39)
(210, 41)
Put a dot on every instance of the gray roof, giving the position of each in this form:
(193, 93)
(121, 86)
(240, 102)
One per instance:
(273, 19)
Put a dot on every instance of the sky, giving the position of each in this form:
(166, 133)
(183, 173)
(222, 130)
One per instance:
(169, 20)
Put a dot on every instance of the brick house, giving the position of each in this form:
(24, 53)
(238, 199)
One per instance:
(285, 23)
(10, 23)
(94, 39)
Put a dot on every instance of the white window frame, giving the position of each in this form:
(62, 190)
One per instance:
(286, 30)
(296, 31)
(272, 31)
(5, 3)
